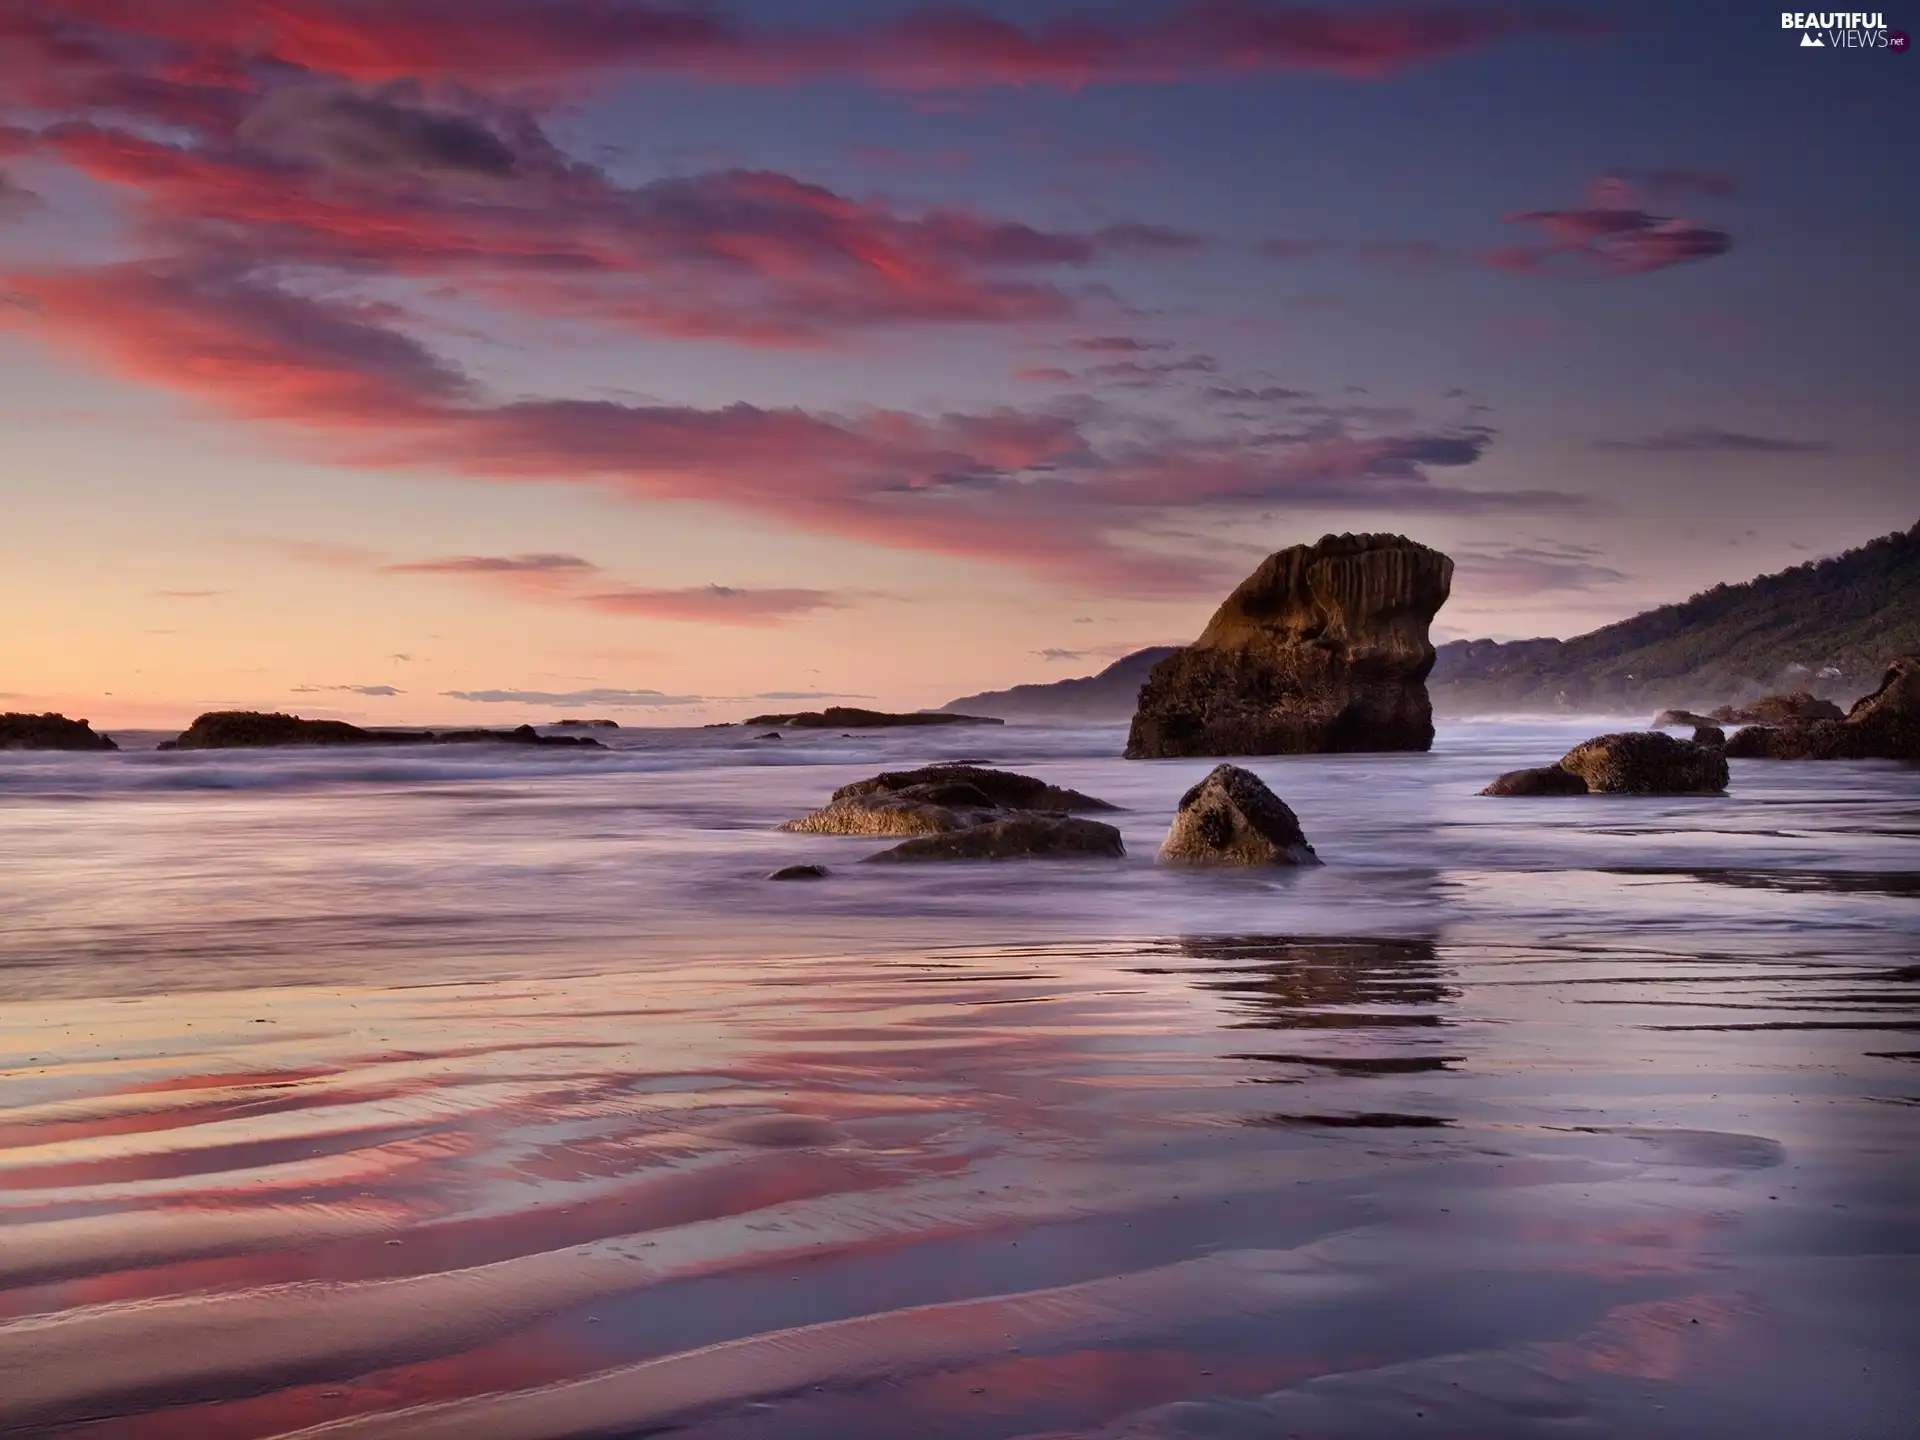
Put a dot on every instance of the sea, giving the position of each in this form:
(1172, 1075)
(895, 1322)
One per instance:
(495, 1093)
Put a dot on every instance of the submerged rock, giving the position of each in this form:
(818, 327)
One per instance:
(1323, 648)
(1545, 780)
(49, 732)
(1019, 837)
(1232, 818)
(1645, 762)
(800, 872)
(1777, 710)
(1882, 726)
(851, 717)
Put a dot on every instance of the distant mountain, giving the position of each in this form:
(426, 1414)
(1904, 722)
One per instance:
(1828, 627)
(1108, 696)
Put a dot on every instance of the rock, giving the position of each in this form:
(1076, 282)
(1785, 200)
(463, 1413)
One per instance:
(1546, 780)
(770, 735)
(586, 724)
(1709, 735)
(1232, 818)
(1646, 762)
(800, 872)
(1882, 726)
(1021, 837)
(49, 732)
(1324, 648)
(994, 787)
(1680, 717)
(937, 800)
(252, 730)
(1777, 710)
(521, 735)
(847, 717)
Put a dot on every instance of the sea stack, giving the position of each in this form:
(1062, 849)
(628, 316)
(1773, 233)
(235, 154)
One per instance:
(1324, 648)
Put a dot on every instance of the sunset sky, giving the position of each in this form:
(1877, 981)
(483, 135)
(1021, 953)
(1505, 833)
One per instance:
(492, 360)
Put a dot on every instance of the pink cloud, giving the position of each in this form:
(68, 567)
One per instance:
(1052, 490)
(526, 43)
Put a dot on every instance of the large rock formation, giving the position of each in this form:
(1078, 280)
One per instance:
(1323, 648)
(1018, 837)
(851, 717)
(1232, 818)
(1882, 726)
(49, 732)
(937, 800)
(253, 730)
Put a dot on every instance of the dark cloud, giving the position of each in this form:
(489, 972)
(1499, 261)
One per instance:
(493, 565)
(386, 129)
(371, 690)
(1512, 571)
(1706, 440)
(1117, 345)
(1054, 653)
(1614, 233)
(1254, 395)
(189, 594)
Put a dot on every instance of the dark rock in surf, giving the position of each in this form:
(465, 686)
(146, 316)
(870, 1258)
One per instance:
(1545, 780)
(800, 872)
(1232, 818)
(255, 730)
(1646, 762)
(849, 717)
(1020, 837)
(1709, 735)
(1668, 718)
(938, 800)
(1882, 726)
(1324, 648)
(49, 732)
(1778, 710)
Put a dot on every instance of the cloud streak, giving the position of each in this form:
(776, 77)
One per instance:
(1707, 440)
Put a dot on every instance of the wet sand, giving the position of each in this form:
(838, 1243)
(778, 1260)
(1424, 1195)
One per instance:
(1234, 1186)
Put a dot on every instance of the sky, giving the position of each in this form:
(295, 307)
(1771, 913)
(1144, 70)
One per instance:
(480, 361)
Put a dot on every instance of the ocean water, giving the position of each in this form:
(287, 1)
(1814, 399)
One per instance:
(498, 1094)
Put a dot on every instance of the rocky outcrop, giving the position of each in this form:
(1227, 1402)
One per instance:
(1232, 818)
(255, 730)
(1882, 726)
(1638, 762)
(1777, 710)
(1323, 648)
(1680, 717)
(1545, 780)
(848, 717)
(49, 732)
(586, 724)
(1645, 762)
(1709, 735)
(938, 800)
(1019, 837)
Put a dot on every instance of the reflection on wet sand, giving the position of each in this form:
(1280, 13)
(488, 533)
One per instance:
(978, 1193)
